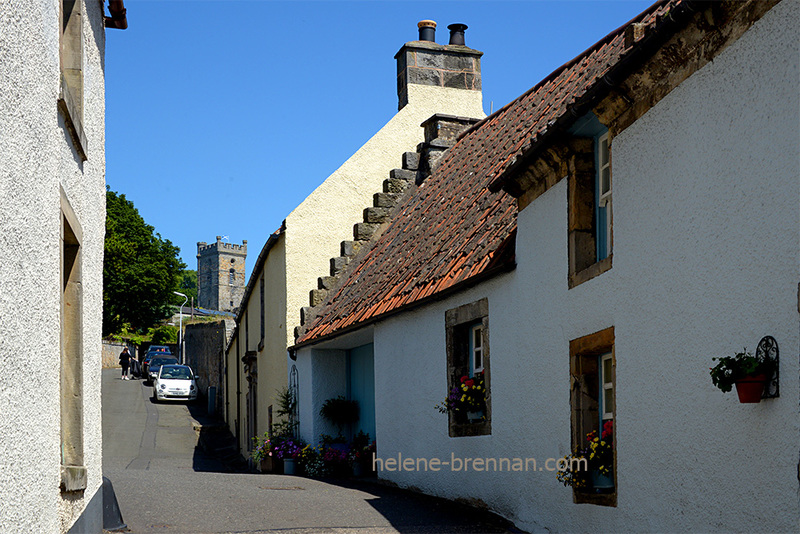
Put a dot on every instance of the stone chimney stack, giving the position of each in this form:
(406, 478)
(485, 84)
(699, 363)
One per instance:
(424, 63)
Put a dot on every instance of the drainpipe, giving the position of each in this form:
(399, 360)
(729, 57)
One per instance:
(118, 18)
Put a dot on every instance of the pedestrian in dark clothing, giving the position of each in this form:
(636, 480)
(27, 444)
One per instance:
(125, 360)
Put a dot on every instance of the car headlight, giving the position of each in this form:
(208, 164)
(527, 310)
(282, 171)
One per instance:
(191, 387)
(163, 386)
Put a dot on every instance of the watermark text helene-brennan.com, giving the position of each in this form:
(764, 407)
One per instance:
(477, 464)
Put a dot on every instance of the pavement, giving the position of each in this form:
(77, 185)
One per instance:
(167, 482)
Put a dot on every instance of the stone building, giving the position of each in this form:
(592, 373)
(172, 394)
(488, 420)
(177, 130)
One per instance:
(52, 214)
(220, 274)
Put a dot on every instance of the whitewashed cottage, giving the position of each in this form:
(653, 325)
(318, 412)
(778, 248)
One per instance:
(589, 248)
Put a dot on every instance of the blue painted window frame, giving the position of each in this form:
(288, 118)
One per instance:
(601, 214)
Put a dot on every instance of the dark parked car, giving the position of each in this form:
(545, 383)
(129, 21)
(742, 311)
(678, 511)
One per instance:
(155, 364)
(153, 350)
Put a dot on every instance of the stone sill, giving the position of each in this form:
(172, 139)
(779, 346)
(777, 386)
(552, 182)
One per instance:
(596, 269)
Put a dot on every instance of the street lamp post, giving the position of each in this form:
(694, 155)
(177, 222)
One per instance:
(180, 327)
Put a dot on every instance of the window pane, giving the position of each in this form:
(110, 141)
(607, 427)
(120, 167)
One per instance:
(477, 337)
(604, 151)
(605, 181)
(608, 400)
(607, 371)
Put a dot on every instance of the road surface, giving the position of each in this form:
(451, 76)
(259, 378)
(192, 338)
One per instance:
(165, 483)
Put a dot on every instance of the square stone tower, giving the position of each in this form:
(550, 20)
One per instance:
(220, 275)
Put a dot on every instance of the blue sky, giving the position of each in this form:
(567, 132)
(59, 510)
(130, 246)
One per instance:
(222, 116)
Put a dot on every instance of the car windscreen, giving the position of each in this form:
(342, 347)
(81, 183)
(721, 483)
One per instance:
(176, 373)
(157, 362)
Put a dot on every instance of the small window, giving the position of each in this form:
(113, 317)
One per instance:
(467, 338)
(232, 277)
(70, 99)
(589, 206)
(592, 410)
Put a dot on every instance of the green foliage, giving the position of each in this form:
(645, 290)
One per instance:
(188, 287)
(340, 411)
(286, 427)
(731, 369)
(140, 270)
(125, 335)
(165, 334)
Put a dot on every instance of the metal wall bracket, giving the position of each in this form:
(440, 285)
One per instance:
(767, 349)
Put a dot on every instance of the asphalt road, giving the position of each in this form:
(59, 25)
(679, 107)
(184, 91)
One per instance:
(165, 483)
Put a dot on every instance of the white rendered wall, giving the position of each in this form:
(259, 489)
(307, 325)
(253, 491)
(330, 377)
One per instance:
(706, 242)
(38, 159)
(323, 375)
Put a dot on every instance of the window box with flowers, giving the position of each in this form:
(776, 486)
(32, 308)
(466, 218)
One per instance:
(590, 468)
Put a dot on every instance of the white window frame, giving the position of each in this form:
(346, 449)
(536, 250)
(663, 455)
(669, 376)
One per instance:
(476, 351)
(604, 165)
(606, 384)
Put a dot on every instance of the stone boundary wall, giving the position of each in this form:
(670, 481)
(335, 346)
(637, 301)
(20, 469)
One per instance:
(205, 354)
(111, 352)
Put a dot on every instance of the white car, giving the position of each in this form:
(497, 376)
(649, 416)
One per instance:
(174, 382)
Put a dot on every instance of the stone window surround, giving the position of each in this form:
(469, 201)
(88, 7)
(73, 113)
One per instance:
(581, 215)
(584, 414)
(74, 477)
(458, 323)
(70, 97)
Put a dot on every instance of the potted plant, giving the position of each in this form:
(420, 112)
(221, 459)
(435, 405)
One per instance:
(467, 400)
(360, 454)
(289, 450)
(591, 468)
(262, 453)
(340, 411)
(747, 372)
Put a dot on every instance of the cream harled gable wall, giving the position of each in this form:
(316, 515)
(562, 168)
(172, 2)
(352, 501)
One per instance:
(43, 175)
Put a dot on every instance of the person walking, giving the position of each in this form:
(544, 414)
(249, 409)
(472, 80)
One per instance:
(125, 361)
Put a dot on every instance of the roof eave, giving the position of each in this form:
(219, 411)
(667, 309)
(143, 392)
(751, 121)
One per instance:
(638, 54)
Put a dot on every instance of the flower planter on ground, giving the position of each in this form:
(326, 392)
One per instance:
(289, 466)
(269, 465)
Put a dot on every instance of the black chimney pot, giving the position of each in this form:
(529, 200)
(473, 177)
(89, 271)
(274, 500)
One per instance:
(427, 30)
(457, 34)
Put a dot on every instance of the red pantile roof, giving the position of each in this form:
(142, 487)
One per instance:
(452, 231)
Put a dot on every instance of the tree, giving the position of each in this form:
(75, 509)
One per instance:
(189, 286)
(140, 269)
(165, 334)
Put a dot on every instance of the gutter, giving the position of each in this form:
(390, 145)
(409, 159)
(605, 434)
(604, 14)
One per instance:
(118, 19)
(649, 44)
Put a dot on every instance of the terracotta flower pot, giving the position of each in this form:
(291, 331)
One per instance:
(268, 465)
(751, 388)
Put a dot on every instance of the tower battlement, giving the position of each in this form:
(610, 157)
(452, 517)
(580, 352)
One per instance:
(220, 274)
(220, 245)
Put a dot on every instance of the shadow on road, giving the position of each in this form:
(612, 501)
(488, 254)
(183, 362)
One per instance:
(216, 449)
